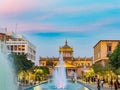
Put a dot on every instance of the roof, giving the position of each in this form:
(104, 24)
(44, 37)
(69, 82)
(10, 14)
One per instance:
(49, 58)
(57, 59)
(106, 41)
(67, 65)
(66, 45)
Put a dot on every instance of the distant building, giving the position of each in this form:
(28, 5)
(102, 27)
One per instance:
(2, 41)
(18, 44)
(67, 51)
(103, 49)
(78, 64)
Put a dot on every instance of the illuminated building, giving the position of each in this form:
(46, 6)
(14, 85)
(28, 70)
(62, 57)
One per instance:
(71, 63)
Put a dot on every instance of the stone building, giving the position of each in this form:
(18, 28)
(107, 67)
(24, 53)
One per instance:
(78, 64)
(103, 49)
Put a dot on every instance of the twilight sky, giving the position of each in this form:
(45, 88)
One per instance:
(48, 23)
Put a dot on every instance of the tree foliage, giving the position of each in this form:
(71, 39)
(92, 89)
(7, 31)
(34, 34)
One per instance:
(49, 63)
(40, 71)
(44, 69)
(115, 59)
(98, 68)
(21, 62)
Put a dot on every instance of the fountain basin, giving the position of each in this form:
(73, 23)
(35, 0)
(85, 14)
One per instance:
(51, 86)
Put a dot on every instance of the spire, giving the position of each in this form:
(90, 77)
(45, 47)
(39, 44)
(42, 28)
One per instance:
(66, 43)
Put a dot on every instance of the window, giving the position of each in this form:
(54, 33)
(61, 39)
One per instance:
(109, 49)
(19, 47)
(15, 47)
(88, 64)
(11, 48)
(23, 47)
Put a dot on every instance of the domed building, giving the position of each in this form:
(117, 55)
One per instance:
(79, 65)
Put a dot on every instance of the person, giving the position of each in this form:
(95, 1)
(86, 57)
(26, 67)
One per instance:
(98, 84)
(102, 83)
(116, 85)
(111, 83)
(74, 76)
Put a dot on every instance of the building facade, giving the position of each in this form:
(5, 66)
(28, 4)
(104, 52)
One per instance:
(18, 44)
(71, 63)
(103, 49)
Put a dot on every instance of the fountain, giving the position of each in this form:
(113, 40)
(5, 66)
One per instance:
(59, 80)
(59, 77)
(7, 80)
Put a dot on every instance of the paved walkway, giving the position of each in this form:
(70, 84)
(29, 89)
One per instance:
(93, 86)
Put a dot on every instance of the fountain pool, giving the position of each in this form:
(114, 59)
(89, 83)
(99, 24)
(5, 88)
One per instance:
(51, 86)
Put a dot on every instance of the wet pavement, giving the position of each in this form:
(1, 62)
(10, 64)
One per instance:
(93, 86)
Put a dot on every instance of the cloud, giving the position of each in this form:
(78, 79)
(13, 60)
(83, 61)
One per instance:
(54, 17)
(11, 7)
(86, 8)
(51, 27)
(14, 7)
(72, 11)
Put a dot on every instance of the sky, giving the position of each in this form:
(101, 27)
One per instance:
(49, 23)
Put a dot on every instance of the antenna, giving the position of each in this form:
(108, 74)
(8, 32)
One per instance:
(16, 28)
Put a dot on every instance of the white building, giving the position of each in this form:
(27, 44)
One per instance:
(20, 45)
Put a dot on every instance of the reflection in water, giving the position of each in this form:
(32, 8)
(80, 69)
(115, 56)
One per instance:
(37, 88)
(86, 88)
(50, 86)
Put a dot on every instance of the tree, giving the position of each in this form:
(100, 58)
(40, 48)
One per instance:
(40, 72)
(44, 69)
(49, 63)
(97, 68)
(102, 70)
(115, 59)
(21, 62)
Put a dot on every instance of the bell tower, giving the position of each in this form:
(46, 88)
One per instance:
(67, 51)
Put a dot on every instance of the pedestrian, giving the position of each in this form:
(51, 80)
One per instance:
(102, 83)
(98, 84)
(73, 75)
(116, 85)
(111, 83)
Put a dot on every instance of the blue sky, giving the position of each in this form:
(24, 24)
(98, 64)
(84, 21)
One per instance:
(48, 23)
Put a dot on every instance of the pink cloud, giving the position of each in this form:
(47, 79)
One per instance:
(26, 27)
(51, 27)
(11, 7)
(57, 28)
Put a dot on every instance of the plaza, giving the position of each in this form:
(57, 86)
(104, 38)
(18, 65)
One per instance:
(59, 45)
(78, 70)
